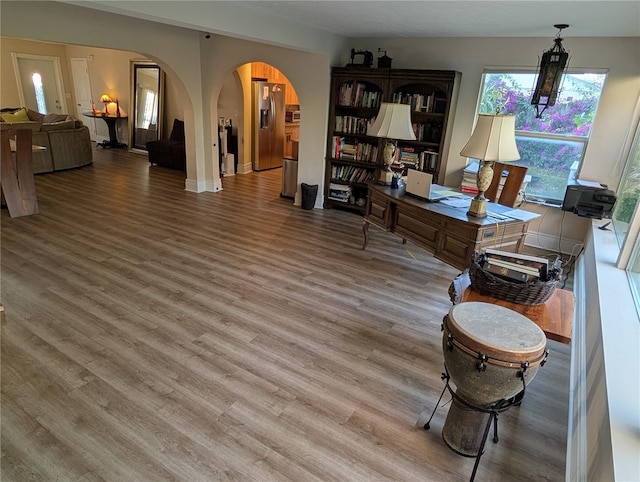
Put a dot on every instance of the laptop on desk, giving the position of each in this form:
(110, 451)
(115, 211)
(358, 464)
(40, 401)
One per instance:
(420, 184)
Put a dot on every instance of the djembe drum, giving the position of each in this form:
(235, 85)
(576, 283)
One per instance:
(491, 353)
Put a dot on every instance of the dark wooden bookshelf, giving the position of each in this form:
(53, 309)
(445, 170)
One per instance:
(356, 94)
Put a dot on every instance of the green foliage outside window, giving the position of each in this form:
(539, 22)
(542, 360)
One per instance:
(629, 191)
(551, 147)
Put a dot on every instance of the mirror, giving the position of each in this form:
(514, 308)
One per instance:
(147, 87)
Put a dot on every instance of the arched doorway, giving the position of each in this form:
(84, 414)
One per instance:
(240, 121)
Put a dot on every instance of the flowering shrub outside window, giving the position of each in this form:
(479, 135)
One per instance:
(553, 146)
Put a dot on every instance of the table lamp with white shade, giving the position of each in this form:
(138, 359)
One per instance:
(493, 140)
(393, 122)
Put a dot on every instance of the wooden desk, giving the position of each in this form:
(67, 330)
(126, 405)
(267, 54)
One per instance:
(447, 232)
(555, 317)
(111, 121)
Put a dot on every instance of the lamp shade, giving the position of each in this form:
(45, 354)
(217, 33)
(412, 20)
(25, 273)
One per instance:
(105, 99)
(393, 122)
(493, 139)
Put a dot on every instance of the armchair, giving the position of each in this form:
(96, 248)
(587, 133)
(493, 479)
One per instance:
(170, 152)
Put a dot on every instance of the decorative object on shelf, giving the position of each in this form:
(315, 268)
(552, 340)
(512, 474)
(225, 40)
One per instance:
(384, 62)
(393, 122)
(552, 66)
(365, 61)
(493, 139)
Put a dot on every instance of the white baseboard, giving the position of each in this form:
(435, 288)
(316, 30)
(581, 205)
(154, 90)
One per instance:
(211, 185)
(245, 168)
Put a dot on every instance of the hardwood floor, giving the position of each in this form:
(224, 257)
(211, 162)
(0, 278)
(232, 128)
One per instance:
(155, 334)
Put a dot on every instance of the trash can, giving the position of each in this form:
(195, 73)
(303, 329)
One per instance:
(289, 177)
(309, 194)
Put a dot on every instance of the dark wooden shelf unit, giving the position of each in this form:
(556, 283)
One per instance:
(356, 94)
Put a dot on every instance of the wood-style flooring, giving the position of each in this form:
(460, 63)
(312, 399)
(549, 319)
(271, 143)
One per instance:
(154, 334)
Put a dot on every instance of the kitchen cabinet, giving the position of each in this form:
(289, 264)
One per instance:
(291, 135)
(260, 70)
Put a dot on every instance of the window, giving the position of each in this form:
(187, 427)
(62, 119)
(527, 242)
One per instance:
(626, 219)
(150, 113)
(551, 147)
(39, 91)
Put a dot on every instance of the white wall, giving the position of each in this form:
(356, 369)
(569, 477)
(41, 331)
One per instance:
(307, 72)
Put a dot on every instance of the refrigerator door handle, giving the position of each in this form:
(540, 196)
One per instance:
(273, 110)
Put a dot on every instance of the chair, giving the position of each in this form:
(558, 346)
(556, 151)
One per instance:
(512, 184)
(170, 152)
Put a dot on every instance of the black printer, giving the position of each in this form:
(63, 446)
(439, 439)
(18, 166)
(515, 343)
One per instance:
(589, 201)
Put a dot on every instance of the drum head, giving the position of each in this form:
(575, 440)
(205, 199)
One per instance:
(496, 331)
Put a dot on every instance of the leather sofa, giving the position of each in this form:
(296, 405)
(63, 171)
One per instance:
(66, 139)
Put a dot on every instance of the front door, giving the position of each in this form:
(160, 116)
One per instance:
(40, 83)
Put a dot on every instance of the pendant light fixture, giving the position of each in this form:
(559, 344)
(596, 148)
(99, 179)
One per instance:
(552, 65)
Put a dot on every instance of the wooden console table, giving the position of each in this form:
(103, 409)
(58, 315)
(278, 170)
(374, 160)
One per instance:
(443, 230)
(111, 121)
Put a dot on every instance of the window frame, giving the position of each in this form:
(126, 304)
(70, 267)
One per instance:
(630, 244)
(542, 135)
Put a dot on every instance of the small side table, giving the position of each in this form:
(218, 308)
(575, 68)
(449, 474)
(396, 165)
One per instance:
(555, 316)
(111, 121)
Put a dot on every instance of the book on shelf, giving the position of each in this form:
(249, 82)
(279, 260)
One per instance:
(439, 104)
(417, 102)
(428, 160)
(340, 187)
(340, 192)
(411, 157)
(408, 157)
(352, 94)
(352, 125)
(353, 150)
(352, 174)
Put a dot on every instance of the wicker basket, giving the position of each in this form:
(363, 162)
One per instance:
(535, 293)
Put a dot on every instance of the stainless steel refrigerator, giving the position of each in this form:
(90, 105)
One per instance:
(268, 125)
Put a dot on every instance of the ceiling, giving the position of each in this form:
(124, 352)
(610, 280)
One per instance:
(462, 18)
(397, 19)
